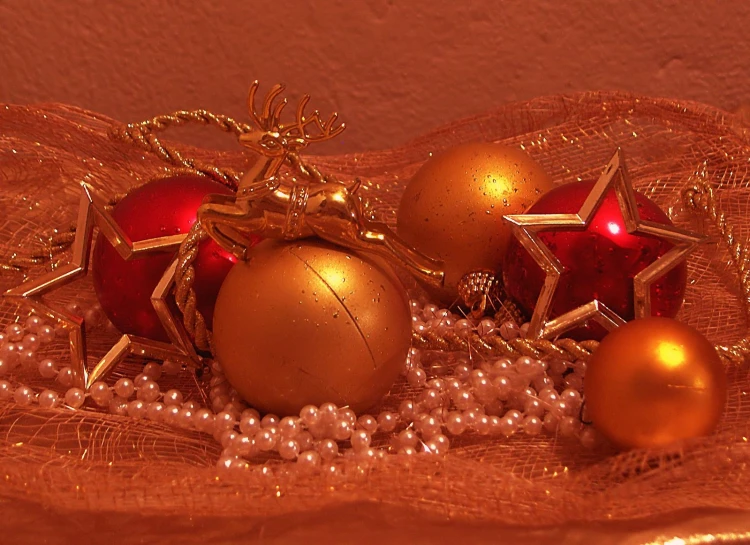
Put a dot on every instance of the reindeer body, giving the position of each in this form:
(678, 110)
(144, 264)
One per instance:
(302, 206)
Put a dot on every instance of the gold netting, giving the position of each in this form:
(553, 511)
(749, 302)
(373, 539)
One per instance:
(88, 465)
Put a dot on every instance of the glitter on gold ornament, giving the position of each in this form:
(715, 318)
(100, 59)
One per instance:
(652, 382)
(307, 323)
(453, 208)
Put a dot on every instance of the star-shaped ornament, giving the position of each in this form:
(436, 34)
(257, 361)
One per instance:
(92, 213)
(526, 228)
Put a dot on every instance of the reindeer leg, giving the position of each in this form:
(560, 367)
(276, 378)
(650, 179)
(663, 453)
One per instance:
(378, 235)
(218, 214)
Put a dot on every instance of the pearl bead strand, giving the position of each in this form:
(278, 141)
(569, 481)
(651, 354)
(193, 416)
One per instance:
(498, 398)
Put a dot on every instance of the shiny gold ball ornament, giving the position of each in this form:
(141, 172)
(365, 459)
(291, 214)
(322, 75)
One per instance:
(652, 382)
(454, 205)
(308, 322)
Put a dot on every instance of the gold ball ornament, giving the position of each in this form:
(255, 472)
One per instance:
(454, 205)
(307, 323)
(652, 382)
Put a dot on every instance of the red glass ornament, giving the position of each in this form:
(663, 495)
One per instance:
(159, 208)
(600, 262)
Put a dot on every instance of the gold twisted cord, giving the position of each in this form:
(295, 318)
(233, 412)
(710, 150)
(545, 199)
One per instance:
(193, 320)
(143, 136)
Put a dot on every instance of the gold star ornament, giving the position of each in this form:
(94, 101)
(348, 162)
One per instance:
(92, 213)
(526, 228)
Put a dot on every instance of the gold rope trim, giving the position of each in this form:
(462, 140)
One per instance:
(185, 295)
(143, 136)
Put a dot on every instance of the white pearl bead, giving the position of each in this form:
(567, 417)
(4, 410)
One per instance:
(48, 399)
(430, 399)
(227, 437)
(6, 390)
(265, 439)
(482, 425)
(463, 328)
(438, 444)
(462, 398)
(140, 379)
(101, 393)
(308, 460)
(416, 377)
(224, 421)
(185, 418)
(428, 427)
(551, 421)
(269, 421)
(170, 415)
(154, 410)
(328, 413)
(387, 421)
(242, 445)
(348, 415)
(462, 371)
(455, 423)
(407, 410)
(171, 367)
(31, 342)
(33, 323)
(588, 437)
(368, 423)
(408, 451)
(14, 332)
(203, 420)
(289, 426)
(305, 440)
(503, 387)
(23, 396)
(118, 406)
(309, 415)
(172, 397)
(66, 377)
(533, 407)
(47, 368)
(509, 331)
(124, 388)
(152, 370)
(429, 311)
(26, 357)
(288, 449)
(507, 425)
(569, 426)
(407, 438)
(328, 449)
(532, 425)
(74, 397)
(10, 353)
(46, 334)
(341, 429)
(486, 327)
(148, 391)
(137, 409)
(249, 424)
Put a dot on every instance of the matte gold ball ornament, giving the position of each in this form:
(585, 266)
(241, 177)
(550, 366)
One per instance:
(454, 205)
(652, 382)
(308, 322)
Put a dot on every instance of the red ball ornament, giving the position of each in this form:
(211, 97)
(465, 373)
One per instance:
(600, 262)
(159, 208)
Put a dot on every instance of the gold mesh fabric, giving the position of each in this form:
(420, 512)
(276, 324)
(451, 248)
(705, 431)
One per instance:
(64, 466)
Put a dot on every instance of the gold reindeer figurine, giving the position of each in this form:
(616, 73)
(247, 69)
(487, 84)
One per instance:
(311, 204)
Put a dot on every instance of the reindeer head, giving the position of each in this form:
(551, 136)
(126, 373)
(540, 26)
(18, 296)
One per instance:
(273, 138)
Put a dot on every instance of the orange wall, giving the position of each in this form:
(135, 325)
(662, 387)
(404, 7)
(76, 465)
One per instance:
(392, 68)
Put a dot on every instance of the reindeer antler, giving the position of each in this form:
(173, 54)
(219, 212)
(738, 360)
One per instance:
(270, 117)
(268, 120)
(327, 130)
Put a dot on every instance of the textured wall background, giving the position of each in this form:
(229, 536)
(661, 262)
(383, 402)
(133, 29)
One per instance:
(393, 69)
